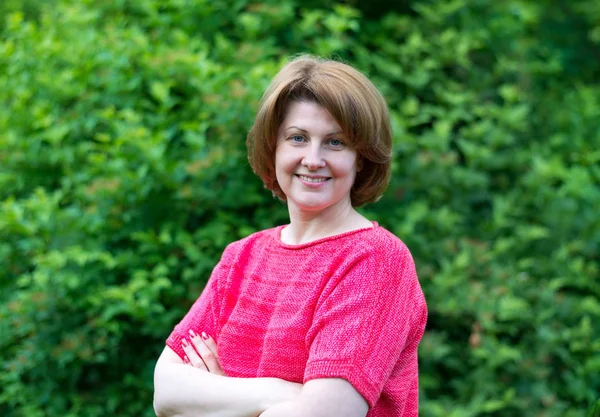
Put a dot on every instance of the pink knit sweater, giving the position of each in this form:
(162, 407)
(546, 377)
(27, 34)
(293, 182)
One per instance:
(347, 306)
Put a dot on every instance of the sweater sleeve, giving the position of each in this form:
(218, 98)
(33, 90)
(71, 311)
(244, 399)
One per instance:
(203, 316)
(368, 323)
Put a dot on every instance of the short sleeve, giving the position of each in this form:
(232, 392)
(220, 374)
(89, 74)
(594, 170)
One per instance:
(203, 316)
(367, 321)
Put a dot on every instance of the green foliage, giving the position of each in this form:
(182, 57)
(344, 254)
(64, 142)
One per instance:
(594, 410)
(123, 176)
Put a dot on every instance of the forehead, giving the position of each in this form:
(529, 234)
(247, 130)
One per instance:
(308, 116)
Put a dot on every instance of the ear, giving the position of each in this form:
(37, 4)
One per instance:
(359, 164)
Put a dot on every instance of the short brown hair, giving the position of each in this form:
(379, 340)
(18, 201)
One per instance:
(353, 101)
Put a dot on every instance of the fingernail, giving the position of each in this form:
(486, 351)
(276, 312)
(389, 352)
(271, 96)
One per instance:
(193, 333)
(204, 336)
(185, 359)
(184, 342)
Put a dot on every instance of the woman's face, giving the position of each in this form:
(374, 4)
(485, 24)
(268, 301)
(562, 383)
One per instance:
(314, 165)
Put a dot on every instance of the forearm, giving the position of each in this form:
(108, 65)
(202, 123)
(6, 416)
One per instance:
(322, 398)
(303, 407)
(293, 408)
(182, 390)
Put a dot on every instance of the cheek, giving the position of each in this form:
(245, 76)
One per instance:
(280, 164)
(346, 167)
(285, 160)
(278, 159)
(283, 168)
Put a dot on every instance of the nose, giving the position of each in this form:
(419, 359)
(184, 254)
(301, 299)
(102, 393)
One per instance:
(313, 159)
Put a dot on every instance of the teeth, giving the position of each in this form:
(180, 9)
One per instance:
(315, 180)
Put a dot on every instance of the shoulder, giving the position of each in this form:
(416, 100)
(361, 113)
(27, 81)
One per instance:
(384, 239)
(382, 246)
(391, 267)
(381, 259)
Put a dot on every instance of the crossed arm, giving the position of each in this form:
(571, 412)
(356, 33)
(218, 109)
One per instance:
(199, 387)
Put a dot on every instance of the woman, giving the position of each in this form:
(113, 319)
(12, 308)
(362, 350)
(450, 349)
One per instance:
(323, 316)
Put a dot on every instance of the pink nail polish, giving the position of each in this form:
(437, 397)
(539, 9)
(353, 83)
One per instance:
(204, 336)
(192, 333)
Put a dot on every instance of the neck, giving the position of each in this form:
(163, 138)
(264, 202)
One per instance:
(308, 226)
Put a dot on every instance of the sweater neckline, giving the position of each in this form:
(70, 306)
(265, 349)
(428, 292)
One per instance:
(277, 236)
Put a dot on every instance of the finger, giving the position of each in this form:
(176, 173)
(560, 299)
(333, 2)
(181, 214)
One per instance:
(211, 344)
(195, 359)
(209, 358)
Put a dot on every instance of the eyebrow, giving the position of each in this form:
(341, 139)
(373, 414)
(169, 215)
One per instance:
(305, 131)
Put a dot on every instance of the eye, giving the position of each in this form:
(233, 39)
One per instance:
(336, 143)
(297, 138)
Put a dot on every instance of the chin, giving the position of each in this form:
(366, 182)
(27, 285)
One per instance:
(315, 205)
(311, 206)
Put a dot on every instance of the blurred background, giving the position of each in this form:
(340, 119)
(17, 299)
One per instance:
(123, 175)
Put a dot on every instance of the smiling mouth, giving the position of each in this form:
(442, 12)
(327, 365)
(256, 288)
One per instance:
(313, 180)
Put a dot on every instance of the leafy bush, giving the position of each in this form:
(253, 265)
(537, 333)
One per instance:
(123, 176)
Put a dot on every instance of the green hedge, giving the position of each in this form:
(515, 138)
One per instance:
(123, 176)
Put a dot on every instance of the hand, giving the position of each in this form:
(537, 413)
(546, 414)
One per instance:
(201, 352)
